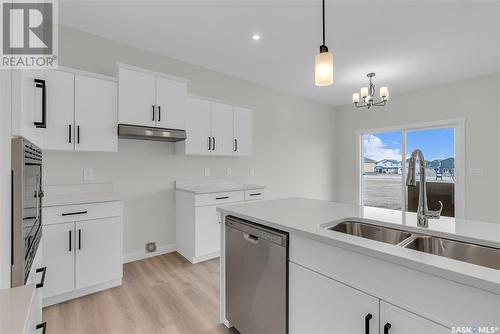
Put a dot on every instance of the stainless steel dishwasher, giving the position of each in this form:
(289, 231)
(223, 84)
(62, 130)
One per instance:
(256, 277)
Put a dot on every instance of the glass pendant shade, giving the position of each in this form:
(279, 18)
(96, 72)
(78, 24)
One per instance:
(324, 69)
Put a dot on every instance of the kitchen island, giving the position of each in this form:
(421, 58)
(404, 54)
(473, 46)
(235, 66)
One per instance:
(344, 283)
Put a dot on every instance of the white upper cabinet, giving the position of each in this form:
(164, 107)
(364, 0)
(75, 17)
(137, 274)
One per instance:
(222, 129)
(137, 98)
(171, 98)
(152, 99)
(198, 127)
(60, 92)
(216, 128)
(95, 114)
(65, 109)
(25, 96)
(243, 126)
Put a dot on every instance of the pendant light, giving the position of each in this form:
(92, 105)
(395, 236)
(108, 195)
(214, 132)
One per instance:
(323, 74)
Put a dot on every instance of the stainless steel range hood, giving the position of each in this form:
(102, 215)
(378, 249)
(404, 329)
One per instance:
(150, 133)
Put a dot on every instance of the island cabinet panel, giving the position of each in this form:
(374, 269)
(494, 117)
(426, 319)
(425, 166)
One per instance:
(395, 320)
(391, 279)
(318, 304)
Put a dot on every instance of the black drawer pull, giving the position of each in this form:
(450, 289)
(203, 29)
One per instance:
(69, 133)
(78, 134)
(223, 197)
(368, 317)
(209, 144)
(159, 114)
(153, 112)
(387, 326)
(70, 240)
(79, 239)
(42, 325)
(42, 282)
(74, 213)
(255, 194)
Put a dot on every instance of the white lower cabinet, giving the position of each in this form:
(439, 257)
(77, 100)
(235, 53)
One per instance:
(83, 255)
(318, 304)
(59, 256)
(395, 320)
(98, 249)
(198, 229)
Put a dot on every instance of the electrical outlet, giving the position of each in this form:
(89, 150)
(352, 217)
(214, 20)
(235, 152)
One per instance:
(476, 171)
(207, 171)
(229, 171)
(251, 171)
(88, 175)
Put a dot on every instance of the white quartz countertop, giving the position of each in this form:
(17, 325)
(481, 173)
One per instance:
(80, 198)
(15, 308)
(216, 188)
(304, 217)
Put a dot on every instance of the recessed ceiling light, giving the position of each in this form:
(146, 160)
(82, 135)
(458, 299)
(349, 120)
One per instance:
(256, 37)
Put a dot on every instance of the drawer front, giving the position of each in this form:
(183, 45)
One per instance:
(220, 198)
(71, 213)
(251, 195)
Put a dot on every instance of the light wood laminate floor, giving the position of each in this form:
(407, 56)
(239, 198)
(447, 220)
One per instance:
(163, 294)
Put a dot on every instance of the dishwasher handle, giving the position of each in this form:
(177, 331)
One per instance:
(251, 238)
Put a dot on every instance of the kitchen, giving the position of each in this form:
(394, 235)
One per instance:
(254, 130)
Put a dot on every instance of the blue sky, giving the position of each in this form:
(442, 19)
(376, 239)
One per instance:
(435, 143)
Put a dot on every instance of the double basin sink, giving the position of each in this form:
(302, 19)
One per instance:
(457, 250)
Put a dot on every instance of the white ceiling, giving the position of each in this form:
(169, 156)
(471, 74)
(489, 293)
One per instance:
(409, 44)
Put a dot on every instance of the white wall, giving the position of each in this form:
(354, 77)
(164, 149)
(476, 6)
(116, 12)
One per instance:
(293, 143)
(5, 177)
(476, 100)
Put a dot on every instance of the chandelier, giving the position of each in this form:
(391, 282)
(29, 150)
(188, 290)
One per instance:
(368, 96)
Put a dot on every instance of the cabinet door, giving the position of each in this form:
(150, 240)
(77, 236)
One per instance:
(199, 129)
(58, 257)
(96, 114)
(243, 127)
(207, 231)
(60, 99)
(26, 106)
(318, 304)
(395, 320)
(171, 98)
(222, 128)
(136, 98)
(98, 251)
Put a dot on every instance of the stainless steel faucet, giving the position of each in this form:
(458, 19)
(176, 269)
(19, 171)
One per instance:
(423, 212)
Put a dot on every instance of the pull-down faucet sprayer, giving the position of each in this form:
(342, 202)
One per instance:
(423, 212)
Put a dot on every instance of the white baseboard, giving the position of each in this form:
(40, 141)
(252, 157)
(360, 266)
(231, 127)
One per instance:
(135, 256)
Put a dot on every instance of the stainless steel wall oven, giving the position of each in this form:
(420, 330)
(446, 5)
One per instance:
(27, 197)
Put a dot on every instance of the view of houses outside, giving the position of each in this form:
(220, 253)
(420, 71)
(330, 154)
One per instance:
(382, 168)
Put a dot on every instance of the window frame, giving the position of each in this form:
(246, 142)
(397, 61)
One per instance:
(460, 181)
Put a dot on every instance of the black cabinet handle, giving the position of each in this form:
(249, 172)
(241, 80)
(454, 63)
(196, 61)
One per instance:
(223, 197)
(39, 83)
(74, 213)
(236, 145)
(209, 144)
(42, 325)
(159, 114)
(213, 143)
(42, 282)
(70, 240)
(257, 194)
(69, 132)
(387, 326)
(368, 317)
(153, 106)
(79, 239)
(78, 134)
